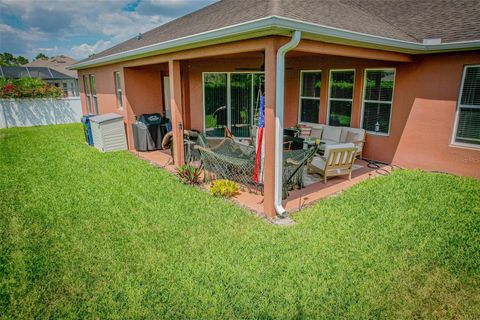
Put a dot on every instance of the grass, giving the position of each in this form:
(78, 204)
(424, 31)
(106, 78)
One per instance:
(90, 235)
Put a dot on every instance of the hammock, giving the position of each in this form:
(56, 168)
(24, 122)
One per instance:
(235, 161)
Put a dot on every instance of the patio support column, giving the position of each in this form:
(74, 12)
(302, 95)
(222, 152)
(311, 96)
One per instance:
(126, 78)
(269, 158)
(177, 110)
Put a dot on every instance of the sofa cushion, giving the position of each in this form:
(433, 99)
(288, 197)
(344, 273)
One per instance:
(353, 137)
(318, 162)
(346, 130)
(328, 148)
(316, 132)
(332, 133)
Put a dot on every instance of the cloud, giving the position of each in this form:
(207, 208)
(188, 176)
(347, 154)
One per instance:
(121, 26)
(172, 8)
(18, 41)
(77, 27)
(53, 51)
(84, 50)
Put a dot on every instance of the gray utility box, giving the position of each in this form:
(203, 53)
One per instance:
(108, 132)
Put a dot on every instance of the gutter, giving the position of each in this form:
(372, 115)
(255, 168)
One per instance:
(276, 25)
(279, 114)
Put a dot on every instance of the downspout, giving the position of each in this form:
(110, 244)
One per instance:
(279, 113)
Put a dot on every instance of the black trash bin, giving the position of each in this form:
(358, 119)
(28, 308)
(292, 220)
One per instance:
(148, 132)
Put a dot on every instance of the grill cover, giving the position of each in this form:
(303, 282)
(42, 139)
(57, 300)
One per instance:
(148, 131)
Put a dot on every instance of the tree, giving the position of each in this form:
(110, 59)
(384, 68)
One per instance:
(22, 60)
(41, 56)
(8, 59)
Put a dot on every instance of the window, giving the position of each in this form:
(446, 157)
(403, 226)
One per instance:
(231, 100)
(86, 84)
(467, 125)
(340, 98)
(73, 89)
(94, 93)
(118, 89)
(65, 89)
(377, 100)
(309, 108)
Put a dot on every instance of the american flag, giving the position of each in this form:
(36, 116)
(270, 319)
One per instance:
(258, 168)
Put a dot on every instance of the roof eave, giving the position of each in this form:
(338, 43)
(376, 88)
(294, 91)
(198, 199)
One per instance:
(275, 25)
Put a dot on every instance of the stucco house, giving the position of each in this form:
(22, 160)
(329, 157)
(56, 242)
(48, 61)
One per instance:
(409, 69)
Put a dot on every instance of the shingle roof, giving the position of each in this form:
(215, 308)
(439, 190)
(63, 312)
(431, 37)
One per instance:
(408, 20)
(450, 20)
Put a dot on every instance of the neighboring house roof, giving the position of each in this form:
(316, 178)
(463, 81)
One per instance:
(59, 63)
(43, 73)
(399, 24)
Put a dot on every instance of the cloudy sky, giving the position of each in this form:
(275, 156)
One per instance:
(77, 28)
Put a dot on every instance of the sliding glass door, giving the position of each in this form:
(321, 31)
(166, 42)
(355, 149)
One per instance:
(231, 100)
(215, 95)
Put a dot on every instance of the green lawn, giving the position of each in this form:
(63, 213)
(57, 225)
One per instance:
(90, 235)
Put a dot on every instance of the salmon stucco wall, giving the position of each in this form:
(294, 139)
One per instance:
(423, 111)
(427, 144)
(144, 90)
(429, 89)
(105, 86)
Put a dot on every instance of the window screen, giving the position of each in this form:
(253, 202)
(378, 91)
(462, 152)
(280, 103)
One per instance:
(118, 89)
(86, 85)
(94, 93)
(377, 100)
(468, 118)
(309, 108)
(341, 97)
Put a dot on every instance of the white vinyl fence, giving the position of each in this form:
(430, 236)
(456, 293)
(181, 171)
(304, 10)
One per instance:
(39, 112)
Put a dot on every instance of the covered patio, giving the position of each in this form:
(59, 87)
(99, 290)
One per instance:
(216, 88)
(297, 199)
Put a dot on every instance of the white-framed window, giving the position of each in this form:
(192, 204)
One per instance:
(72, 88)
(340, 97)
(231, 100)
(118, 89)
(65, 89)
(378, 90)
(86, 85)
(94, 93)
(467, 118)
(309, 101)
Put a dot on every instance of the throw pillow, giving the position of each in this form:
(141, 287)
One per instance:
(305, 131)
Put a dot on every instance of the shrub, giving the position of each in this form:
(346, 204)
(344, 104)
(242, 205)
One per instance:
(9, 90)
(189, 174)
(28, 88)
(224, 188)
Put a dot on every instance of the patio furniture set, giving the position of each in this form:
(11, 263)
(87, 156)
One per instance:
(321, 149)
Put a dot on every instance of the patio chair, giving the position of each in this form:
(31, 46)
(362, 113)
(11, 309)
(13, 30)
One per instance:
(337, 160)
(294, 162)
